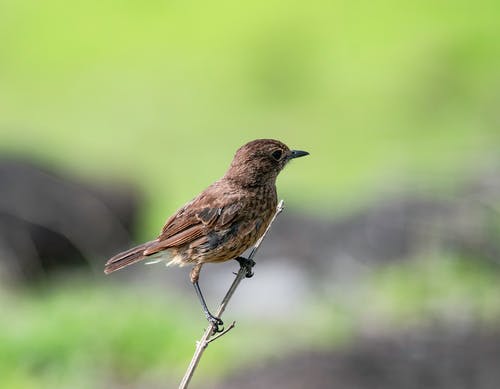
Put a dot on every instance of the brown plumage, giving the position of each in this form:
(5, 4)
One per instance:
(224, 220)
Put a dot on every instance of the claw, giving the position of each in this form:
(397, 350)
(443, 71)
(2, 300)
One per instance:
(215, 323)
(248, 264)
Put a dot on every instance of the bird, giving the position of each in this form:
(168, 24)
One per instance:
(223, 221)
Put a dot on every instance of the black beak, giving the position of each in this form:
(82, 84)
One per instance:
(297, 154)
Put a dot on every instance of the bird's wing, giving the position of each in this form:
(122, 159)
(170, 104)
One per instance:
(195, 219)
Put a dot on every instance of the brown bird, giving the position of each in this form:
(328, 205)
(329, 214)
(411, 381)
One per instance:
(223, 221)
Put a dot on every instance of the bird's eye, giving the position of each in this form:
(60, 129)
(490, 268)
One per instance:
(277, 154)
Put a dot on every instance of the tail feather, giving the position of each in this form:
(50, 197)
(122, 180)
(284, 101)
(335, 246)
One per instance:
(133, 255)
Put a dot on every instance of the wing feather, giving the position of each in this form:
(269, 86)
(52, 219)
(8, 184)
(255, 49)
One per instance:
(196, 219)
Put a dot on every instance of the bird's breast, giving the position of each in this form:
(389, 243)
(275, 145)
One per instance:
(222, 244)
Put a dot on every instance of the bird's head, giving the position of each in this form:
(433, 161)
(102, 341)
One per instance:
(258, 162)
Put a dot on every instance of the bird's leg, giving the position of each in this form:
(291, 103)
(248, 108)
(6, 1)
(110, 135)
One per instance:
(247, 263)
(214, 321)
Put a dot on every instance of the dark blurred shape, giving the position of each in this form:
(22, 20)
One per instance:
(395, 228)
(49, 221)
(439, 358)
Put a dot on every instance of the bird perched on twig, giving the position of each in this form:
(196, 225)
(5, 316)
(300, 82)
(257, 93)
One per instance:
(223, 221)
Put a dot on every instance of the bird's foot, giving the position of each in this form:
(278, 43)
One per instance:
(215, 322)
(248, 264)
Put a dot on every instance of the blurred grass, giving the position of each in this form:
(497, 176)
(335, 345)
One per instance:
(87, 334)
(80, 334)
(162, 93)
(76, 335)
(451, 288)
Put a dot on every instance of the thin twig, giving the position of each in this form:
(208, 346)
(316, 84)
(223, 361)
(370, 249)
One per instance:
(229, 328)
(202, 344)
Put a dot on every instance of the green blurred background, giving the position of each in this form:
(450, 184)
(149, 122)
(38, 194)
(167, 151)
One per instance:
(385, 96)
